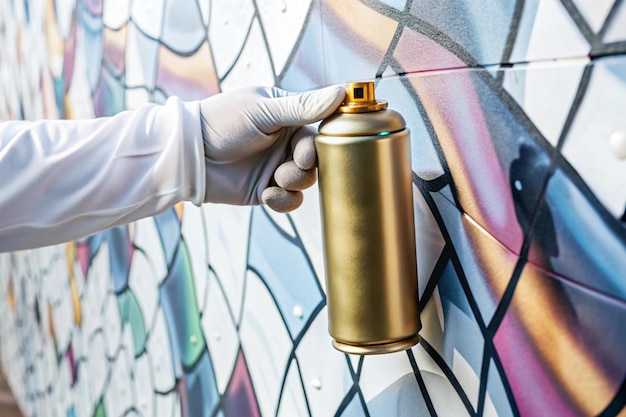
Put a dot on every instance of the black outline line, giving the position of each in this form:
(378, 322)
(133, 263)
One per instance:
(484, 379)
(421, 384)
(257, 14)
(511, 39)
(394, 40)
(608, 21)
(435, 276)
(359, 368)
(238, 55)
(306, 397)
(579, 20)
(583, 85)
(292, 361)
(220, 287)
(488, 347)
(441, 363)
(274, 299)
(355, 390)
(220, 403)
(347, 400)
(322, 298)
(295, 48)
(298, 242)
(617, 404)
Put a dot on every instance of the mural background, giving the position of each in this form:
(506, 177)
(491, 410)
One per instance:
(220, 311)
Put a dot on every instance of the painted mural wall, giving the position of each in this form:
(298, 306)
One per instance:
(517, 110)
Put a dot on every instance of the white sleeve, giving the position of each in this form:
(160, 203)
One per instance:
(65, 179)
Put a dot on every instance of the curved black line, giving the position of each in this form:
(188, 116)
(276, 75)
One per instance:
(507, 296)
(360, 367)
(456, 263)
(359, 393)
(435, 276)
(355, 375)
(578, 99)
(312, 317)
(446, 178)
(298, 242)
(484, 379)
(346, 401)
(224, 296)
(306, 397)
(421, 384)
(505, 381)
(276, 303)
(290, 362)
(609, 19)
(296, 45)
(265, 41)
(435, 185)
(580, 21)
(188, 53)
(460, 273)
(243, 45)
(394, 42)
(511, 38)
(608, 49)
(425, 28)
(617, 404)
(291, 239)
(293, 356)
(449, 375)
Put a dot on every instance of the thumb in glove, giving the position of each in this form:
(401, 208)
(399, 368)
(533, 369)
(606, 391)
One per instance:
(249, 133)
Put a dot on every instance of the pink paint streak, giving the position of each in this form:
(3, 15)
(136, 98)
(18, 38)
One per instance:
(82, 253)
(70, 54)
(239, 399)
(453, 105)
(533, 388)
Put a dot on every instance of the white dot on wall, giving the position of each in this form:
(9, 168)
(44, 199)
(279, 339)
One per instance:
(218, 336)
(316, 383)
(518, 185)
(298, 311)
(617, 141)
(193, 339)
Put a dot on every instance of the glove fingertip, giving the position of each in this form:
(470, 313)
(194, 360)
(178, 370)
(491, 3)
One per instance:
(281, 200)
(304, 153)
(290, 177)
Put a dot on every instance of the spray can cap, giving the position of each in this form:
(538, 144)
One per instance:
(360, 98)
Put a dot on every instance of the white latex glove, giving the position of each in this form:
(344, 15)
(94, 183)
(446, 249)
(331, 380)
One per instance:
(256, 135)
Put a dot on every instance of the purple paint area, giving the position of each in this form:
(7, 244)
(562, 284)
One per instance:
(239, 399)
(94, 6)
(82, 253)
(412, 49)
(561, 346)
(69, 355)
(69, 57)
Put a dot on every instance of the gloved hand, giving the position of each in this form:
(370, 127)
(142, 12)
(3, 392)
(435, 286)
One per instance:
(254, 135)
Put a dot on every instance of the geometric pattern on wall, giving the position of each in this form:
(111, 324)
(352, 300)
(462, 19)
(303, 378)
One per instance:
(220, 311)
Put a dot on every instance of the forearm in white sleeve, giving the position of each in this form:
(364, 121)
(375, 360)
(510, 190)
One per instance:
(64, 179)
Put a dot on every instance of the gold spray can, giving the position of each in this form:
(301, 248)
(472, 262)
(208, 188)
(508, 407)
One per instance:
(366, 197)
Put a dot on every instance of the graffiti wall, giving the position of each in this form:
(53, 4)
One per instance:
(517, 113)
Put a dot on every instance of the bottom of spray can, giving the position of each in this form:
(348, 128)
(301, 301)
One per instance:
(373, 349)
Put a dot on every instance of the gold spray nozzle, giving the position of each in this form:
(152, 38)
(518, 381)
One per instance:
(360, 98)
